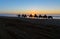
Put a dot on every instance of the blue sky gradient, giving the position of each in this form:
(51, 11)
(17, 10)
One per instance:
(12, 6)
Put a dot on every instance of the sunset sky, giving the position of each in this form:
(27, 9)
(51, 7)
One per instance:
(29, 6)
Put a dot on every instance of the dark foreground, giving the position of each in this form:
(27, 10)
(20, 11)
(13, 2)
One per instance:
(23, 28)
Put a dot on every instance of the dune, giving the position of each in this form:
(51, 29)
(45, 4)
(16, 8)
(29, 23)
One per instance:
(26, 28)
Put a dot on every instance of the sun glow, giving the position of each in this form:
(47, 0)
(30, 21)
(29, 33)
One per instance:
(32, 12)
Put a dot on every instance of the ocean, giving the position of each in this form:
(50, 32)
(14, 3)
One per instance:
(56, 16)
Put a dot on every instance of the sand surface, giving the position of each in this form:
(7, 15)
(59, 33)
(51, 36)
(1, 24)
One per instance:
(24, 28)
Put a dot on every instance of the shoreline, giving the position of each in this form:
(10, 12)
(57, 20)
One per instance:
(36, 21)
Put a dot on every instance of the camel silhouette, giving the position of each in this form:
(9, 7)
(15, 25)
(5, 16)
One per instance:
(24, 15)
(35, 15)
(40, 16)
(45, 16)
(30, 15)
(18, 15)
(50, 17)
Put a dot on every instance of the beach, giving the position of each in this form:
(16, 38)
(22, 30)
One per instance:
(27, 28)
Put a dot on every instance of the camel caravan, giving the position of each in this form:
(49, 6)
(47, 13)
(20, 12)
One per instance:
(36, 16)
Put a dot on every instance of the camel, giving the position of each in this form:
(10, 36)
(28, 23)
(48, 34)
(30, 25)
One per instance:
(24, 15)
(18, 15)
(40, 16)
(35, 15)
(30, 15)
(45, 16)
(50, 17)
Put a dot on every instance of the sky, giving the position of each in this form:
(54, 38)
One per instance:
(29, 6)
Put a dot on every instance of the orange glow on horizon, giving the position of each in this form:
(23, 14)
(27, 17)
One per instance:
(33, 12)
